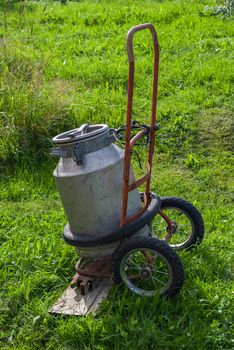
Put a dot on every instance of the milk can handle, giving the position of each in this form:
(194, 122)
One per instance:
(128, 148)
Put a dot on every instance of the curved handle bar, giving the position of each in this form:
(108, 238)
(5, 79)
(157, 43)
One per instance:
(130, 37)
(130, 143)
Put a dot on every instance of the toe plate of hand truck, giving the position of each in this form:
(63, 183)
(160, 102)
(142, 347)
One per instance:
(73, 302)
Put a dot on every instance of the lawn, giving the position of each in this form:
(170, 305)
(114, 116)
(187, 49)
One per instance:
(62, 65)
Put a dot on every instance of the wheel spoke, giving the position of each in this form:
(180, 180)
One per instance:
(134, 263)
(134, 277)
(146, 269)
(162, 272)
(133, 268)
(183, 224)
(154, 283)
(160, 228)
(182, 232)
(154, 278)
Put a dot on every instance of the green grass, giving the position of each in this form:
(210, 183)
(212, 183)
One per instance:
(62, 65)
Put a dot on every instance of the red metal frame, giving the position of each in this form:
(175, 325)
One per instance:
(130, 142)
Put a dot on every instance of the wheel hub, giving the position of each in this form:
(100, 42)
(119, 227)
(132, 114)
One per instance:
(146, 272)
(174, 228)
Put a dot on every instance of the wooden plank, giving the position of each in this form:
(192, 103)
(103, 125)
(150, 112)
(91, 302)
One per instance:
(73, 303)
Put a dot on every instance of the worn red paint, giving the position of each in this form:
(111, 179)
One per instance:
(130, 142)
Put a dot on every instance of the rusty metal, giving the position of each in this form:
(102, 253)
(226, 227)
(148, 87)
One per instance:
(135, 138)
(74, 281)
(137, 215)
(95, 268)
(170, 225)
(129, 143)
(86, 285)
(139, 182)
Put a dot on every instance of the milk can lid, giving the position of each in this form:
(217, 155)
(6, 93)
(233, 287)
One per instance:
(84, 132)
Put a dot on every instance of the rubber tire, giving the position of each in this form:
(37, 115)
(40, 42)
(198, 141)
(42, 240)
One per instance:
(159, 246)
(120, 233)
(192, 212)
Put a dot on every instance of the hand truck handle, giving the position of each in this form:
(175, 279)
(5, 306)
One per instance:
(131, 34)
(130, 143)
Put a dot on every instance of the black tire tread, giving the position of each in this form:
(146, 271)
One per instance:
(192, 211)
(158, 245)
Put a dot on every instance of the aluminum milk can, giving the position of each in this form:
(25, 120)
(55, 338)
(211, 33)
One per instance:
(89, 178)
